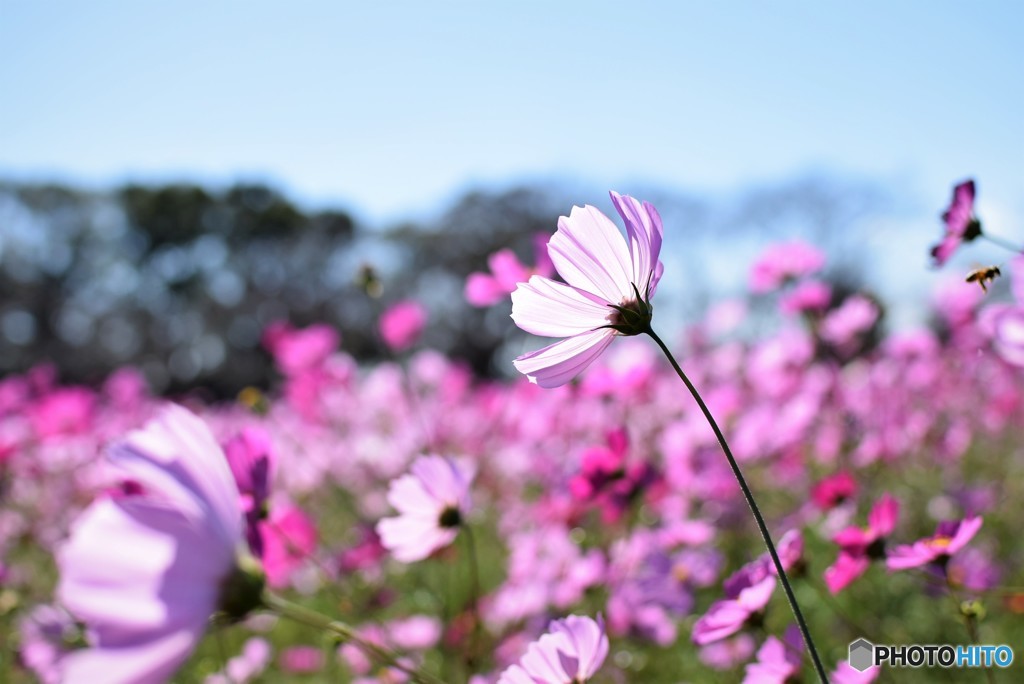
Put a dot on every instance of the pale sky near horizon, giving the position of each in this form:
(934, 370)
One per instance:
(394, 108)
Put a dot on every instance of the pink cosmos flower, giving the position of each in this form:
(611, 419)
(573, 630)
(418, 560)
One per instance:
(1007, 325)
(858, 547)
(288, 540)
(846, 674)
(402, 324)
(949, 537)
(607, 290)
(853, 317)
(296, 350)
(432, 502)
(747, 594)
(834, 490)
(961, 226)
(778, 660)
(483, 289)
(783, 262)
(252, 462)
(145, 572)
(572, 651)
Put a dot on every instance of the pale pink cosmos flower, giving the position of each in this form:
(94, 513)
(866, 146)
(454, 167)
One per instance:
(402, 324)
(432, 502)
(783, 262)
(145, 572)
(485, 289)
(950, 537)
(296, 350)
(288, 539)
(778, 660)
(572, 651)
(608, 286)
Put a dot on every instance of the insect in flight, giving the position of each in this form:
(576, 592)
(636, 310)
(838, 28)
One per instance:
(983, 276)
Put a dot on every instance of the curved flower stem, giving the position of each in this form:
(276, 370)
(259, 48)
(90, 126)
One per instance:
(804, 631)
(344, 632)
(1005, 244)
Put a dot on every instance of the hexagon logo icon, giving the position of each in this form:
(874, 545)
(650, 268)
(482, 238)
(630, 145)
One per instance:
(862, 655)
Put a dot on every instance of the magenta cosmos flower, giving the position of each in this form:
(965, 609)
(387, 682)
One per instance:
(572, 651)
(949, 537)
(859, 546)
(608, 286)
(145, 572)
(961, 225)
(432, 502)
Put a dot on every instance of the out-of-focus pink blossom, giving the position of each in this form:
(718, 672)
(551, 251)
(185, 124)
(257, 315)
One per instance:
(859, 546)
(289, 540)
(296, 350)
(949, 537)
(251, 459)
(573, 650)
(601, 272)
(846, 674)
(961, 226)
(432, 501)
(834, 490)
(246, 666)
(48, 634)
(852, 318)
(485, 289)
(778, 660)
(62, 412)
(298, 660)
(1008, 334)
(144, 573)
(782, 262)
(402, 324)
(810, 296)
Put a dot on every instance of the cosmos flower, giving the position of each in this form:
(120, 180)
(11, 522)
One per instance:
(145, 572)
(432, 502)
(572, 651)
(782, 263)
(961, 225)
(859, 546)
(402, 324)
(950, 537)
(485, 289)
(778, 660)
(609, 283)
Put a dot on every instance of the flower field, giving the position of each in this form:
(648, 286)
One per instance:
(408, 521)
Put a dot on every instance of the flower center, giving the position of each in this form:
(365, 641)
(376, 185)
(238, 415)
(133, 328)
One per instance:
(450, 517)
(940, 543)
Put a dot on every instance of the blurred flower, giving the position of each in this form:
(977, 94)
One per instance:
(572, 651)
(365, 554)
(252, 462)
(402, 324)
(296, 350)
(288, 540)
(852, 318)
(845, 674)
(146, 572)
(608, 289)
(961, 225)
(778, 660)
(301, 660)
(834, 490)
(810, 296)
(63, 412)
(747, 594)
(432, 502)
(949, 537)
(483, 289)
(859, 546)
(246, 666)
(1008, 334)
(783, 262)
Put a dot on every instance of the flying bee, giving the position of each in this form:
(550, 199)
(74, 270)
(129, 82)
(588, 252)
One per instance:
(368, 281)
(983, 276)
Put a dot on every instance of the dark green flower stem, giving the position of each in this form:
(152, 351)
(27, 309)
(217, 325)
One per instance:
(808, 641)
(344, 633)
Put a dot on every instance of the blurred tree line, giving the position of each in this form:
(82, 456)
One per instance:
(181, 280)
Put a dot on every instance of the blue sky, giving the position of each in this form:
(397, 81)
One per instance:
(394, 107)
